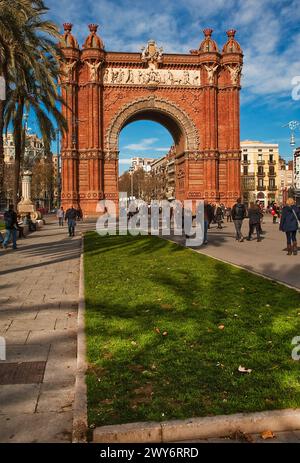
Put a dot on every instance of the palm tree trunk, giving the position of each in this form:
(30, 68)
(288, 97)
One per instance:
(1, 152)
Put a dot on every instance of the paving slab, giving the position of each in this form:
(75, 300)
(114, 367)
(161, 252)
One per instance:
(38, 292)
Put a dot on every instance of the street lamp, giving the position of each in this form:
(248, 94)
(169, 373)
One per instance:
(293, 125)
(131, 181)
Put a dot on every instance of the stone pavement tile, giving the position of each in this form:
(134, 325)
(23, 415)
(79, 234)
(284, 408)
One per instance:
(15, 337)
(20, 314)
(56, 337)
(38, 427)
(26, 353)
(66, 323)
(60, 370)
(18, 398)
(45, 324)
(57, 397)
(4, 325)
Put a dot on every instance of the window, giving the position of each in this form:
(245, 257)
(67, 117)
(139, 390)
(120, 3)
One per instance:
(271, 157)
(245, 170)
(260, 183)
(260, 170)
(271, 183)
(271, 170)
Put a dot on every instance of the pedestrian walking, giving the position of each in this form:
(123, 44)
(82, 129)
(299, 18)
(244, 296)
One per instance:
(11, 227)
(274, 212)
(238, 214)
(70, 217)
(60, 215)
(254, 214)
(219, 216)
(290, 223)
(228, 214)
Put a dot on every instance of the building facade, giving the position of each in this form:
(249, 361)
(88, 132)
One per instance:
(297, 174)
(260, 171)
(141, 163)
(194, 95)
(34, 148)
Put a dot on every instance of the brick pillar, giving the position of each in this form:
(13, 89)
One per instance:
(69, 152)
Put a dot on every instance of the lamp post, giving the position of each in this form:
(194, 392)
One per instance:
(293, 125)
(131, 182)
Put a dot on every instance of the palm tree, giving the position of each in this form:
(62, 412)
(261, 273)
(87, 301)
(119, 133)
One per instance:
(29, 62)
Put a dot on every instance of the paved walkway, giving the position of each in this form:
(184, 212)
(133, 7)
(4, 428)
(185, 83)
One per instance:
(38, 319)
(267, 257)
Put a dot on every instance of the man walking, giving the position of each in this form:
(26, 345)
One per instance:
(70, 216)
(11, 226)
(60, 215)
(238, 214)
(254, 214)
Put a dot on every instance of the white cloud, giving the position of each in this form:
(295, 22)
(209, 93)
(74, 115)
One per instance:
(144, 144)
(266, 31)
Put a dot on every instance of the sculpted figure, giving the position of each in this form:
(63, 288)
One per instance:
(93, 70)
(68, 71)
(210, 73)
(234, 73)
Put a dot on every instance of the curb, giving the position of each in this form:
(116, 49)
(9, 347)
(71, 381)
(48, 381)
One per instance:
(80, 424)
(199, 428)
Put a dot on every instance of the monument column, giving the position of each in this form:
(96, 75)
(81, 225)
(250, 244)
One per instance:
(69, 152)
(229, 119)
(90, 133)
(210, 63)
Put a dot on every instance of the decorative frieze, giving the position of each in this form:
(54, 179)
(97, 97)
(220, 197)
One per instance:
(161, 77)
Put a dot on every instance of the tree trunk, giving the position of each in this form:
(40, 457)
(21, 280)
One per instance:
(1, 153)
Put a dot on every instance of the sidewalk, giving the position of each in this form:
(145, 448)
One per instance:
(38, 319)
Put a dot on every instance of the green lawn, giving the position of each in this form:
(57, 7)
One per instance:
(156, 347)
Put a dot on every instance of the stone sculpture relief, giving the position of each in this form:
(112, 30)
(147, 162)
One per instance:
(211, 72)
(123, 76)
(235, 73)
(93, 67)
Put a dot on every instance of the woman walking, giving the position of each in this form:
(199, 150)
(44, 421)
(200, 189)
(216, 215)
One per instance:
(289, 224)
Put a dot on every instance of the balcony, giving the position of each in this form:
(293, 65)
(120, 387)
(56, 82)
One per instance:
(261, 162)
(260, 188)
(272, 188)
(272, 163)
(272, 174)
(246, 163)
(261, 174)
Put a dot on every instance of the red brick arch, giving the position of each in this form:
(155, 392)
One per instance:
(195, 96)
(160, 110)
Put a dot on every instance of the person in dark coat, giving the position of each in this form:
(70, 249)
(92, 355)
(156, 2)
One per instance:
(71, 216)
(254, 214)
(219, 216)
(289, 224)
(238, 214)
(11, 226)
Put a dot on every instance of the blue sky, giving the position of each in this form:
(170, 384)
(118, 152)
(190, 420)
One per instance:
(268, 31)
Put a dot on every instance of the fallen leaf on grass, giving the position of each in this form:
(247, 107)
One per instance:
(221, 327)
(166, 306)
(244, 370)
(134, 343)
(267, 435)
(137, 368)
(165, 333)
(157, 330)
(107, 401)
